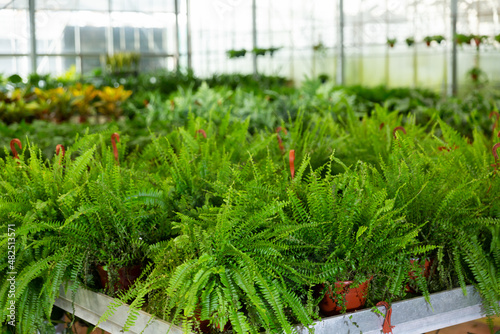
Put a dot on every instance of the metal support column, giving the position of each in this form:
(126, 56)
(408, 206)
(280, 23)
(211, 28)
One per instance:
(78, 50)
(188, 34)
(110, 46)
(177, 38)
(341, 56)
(454, 14)
(254, 35)
(32, 35)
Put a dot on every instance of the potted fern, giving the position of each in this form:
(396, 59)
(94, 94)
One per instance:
(354, 238)
(118, 229)
(229, 262)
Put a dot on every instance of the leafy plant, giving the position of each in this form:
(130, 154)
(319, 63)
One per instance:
(262, 52)
(479, 39)
(428, 40)
(236, 53)
(410, 41)
(319, 48)
(476, 74)
(391, 42)
(110, 100)
(228, 263)
(463, 39)
(438, 38)
(122, 62)
(362, 234)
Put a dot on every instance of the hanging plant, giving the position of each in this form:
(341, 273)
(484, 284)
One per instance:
(475, 74)
(438, 38)
(463, 39)
(391, 42)
(272, 50)
(497, 38)
(410, 41)
(259, 51)
(262, 52)
(236, 53)
(319, 48)
(428, 40)
(478, 39)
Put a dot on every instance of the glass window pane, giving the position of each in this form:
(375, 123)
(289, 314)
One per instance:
(152, 63)
(143, 5)
(90, 63)
(93, 40)
(18, 4)
(14, 31)
(56, 65)
(100, 5)
(14, 65)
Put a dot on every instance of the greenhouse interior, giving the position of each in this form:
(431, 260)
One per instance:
(250, 166)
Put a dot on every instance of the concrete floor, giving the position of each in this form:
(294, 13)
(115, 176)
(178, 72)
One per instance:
(474, 327)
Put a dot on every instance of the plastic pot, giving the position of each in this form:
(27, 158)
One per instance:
(126, 277)
(426, 272)
(205, 326)
(353, 298)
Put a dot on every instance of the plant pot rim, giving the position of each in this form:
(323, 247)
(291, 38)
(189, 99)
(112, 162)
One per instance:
(369, 279)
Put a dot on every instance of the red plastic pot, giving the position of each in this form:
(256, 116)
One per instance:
(426, 272)
(205, 324)
(126, 275)
(353, 298)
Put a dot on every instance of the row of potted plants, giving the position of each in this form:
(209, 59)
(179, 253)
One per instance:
(62, 103)
(460, 39)
(257, 51)
(248, 232)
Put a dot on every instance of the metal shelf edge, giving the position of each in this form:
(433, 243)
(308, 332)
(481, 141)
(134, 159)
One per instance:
(90, 306)
(408, 316)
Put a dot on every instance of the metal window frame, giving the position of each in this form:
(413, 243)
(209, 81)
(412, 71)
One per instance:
(33, 54)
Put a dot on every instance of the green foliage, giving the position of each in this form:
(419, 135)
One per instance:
(202, 196)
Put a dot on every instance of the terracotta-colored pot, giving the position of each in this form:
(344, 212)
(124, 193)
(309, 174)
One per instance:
(205, 324)
(126, 275)
(426, 272)
(353, 298)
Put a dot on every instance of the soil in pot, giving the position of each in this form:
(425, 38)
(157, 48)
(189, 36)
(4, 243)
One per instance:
(353, 298)
(206, 328)
(126, 277)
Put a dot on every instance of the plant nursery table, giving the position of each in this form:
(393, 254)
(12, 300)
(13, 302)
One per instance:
(409, 316)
